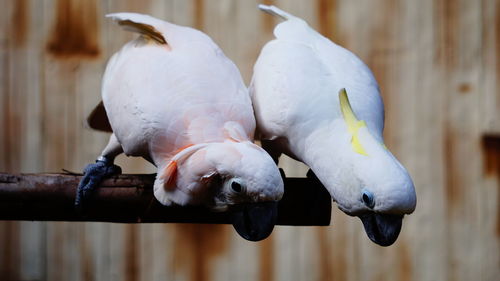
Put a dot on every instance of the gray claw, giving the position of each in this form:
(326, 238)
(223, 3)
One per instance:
(93, 175)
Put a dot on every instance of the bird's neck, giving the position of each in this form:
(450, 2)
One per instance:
(323, 151)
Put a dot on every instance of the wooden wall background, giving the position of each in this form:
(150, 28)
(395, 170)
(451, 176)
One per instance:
(438, 65)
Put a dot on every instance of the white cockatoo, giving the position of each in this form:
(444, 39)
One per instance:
(320, 104)
(172, 97)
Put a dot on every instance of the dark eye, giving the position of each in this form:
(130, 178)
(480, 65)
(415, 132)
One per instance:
(236, 187)
(368, 199)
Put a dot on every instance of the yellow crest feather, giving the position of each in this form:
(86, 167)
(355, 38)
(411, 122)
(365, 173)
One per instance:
(353, 124)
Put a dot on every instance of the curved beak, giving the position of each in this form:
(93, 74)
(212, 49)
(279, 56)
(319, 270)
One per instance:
(382, 229)
(255, 221)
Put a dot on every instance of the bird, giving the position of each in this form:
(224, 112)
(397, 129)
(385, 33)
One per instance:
(172, 97)
(318, 103)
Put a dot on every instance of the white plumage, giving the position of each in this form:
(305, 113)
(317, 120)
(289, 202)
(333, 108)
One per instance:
(297, 94)
(174, 98)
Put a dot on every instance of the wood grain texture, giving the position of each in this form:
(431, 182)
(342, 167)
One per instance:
(129, 199)
(438, 66)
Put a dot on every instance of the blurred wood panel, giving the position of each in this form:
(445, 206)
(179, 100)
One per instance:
(437, 63)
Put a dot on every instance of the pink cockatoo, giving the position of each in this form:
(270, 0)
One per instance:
(172, 97)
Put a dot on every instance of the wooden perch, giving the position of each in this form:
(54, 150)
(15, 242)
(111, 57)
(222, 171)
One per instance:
(129, 199)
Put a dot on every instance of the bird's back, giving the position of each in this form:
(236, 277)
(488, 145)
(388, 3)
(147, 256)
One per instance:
(161, 97)
(305, 71)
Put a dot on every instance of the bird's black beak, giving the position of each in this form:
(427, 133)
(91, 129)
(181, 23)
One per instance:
(383, 229)
(255, 221)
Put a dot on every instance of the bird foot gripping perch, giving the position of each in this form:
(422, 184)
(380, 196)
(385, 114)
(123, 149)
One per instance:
(202, 133)
(93, 175)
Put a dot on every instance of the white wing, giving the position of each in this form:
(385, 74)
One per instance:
(298, 75)
(171, 87)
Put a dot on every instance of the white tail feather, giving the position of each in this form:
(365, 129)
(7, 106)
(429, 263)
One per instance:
(275, 11)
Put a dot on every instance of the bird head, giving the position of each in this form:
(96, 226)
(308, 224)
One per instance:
(248, 184)
(236, 176)
(245, 174)
(371, 183)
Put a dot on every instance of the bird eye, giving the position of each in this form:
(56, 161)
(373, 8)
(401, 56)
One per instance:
(368, 199)
(236, 187)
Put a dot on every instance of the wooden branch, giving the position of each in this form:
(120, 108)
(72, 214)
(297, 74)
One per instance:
(129, 199)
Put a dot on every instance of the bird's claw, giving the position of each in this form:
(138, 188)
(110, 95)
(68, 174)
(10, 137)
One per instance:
(93, 175)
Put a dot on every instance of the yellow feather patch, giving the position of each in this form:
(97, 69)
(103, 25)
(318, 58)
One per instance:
(353, 124)
(356, 145)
